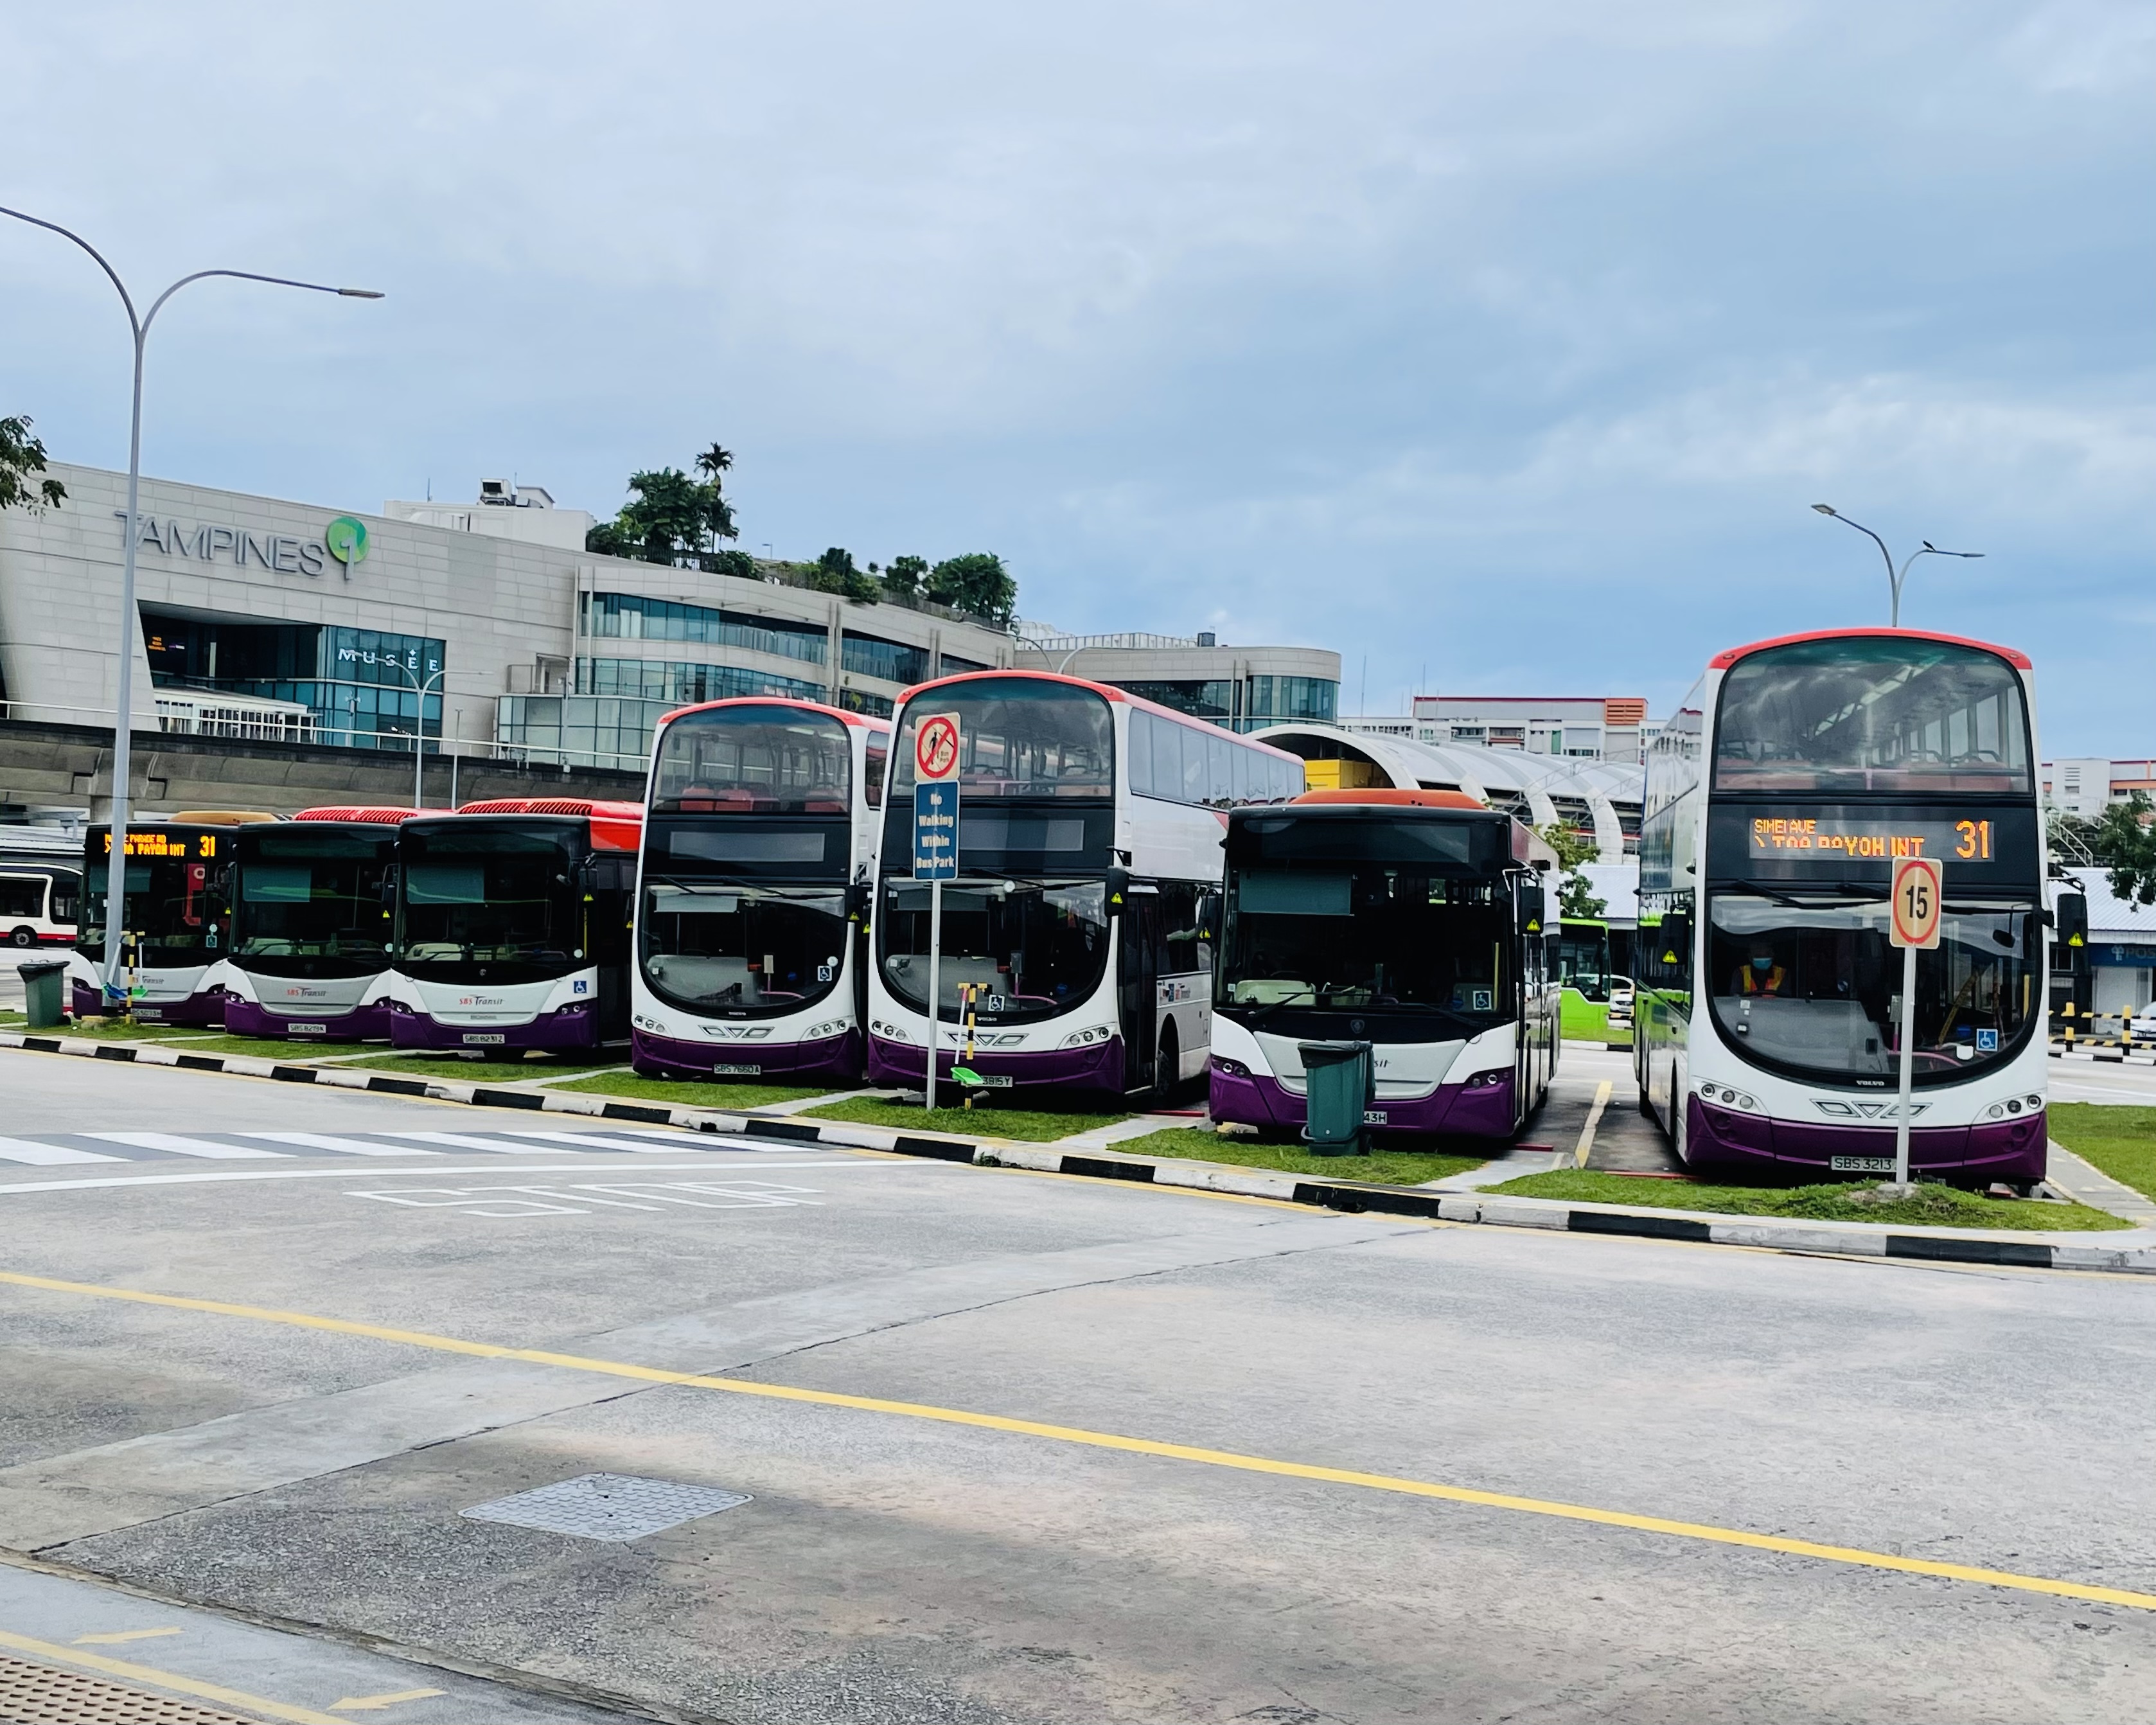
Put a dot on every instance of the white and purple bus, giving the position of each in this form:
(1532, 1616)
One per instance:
(1089, 830)
(759, 842)
(513, 927)
(1411, 920)
(1769, 1017)
(312, 924)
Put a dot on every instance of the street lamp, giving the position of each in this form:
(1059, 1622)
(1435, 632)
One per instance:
(420, 726)
(115, 881)
(1894, 576)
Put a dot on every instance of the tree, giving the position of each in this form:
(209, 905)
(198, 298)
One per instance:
(1576, 900)
(21, 457)
(672, 518)
(976, 583)
(732, 563)
(904, 577)
(2124, 846)
(835, 571)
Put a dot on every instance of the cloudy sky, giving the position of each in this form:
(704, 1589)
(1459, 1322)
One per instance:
(1499, 348)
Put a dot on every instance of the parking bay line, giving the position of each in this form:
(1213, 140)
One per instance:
(179, 1145)
(1706, 1533)
(706, 1167)
(346, 1146)
(169, 1681)
(37, 1155)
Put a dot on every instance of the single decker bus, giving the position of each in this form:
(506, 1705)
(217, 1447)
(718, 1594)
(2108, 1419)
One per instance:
(313, 923)
(1769, 1015)
(176, 915)
(512, 927)
(1089, 826)
(1412, 920)
(759, 842)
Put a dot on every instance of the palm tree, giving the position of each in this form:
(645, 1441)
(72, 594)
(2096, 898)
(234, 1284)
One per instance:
(715, 461)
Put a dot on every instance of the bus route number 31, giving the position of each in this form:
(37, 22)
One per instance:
(1916, 902)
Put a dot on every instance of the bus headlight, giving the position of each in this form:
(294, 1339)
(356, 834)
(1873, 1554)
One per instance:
(1233, 1069)
(829, 1027)
(1722, 1096)
(1086, 1039)
(1486, 1081)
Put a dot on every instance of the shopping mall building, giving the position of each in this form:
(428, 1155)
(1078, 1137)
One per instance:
(489, 628)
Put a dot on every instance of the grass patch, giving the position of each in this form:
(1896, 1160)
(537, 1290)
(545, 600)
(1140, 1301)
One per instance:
(1933, 1206)
(119, 1030)
(686, 1094)
(1037, 1126)
(268, 1047)
(1386, 1167)
(2121, 1141)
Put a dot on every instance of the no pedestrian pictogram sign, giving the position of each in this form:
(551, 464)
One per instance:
(936, 749)
(1916, 902)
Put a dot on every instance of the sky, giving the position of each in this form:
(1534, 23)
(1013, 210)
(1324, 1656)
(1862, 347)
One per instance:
(1501, 349)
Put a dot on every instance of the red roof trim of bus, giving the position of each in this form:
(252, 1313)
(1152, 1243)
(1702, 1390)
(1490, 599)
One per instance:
(615, 826)
(1106, 692)
(1416, 798)
(362, 814)
(2012, 655)
(813, 707)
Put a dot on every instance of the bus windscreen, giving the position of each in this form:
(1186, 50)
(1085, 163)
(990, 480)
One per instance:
(753, 759)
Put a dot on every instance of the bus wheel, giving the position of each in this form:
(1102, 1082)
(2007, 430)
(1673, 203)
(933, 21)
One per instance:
(24, 937)
(1166, 1061)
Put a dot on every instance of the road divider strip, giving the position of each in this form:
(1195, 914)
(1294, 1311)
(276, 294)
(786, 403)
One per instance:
(2126, 1253)
(1083, 1437)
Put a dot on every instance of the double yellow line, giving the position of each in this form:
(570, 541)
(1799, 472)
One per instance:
(1230, 1459)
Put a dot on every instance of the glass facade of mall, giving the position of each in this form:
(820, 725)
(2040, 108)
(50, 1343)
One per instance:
(362, 687)
(1249, 704)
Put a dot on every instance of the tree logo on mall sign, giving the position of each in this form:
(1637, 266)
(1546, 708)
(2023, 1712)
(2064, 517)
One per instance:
(346, 539)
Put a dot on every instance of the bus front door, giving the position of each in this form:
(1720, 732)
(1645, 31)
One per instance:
(1137, 977)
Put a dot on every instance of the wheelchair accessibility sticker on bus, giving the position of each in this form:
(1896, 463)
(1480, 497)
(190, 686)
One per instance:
(1987, 1042)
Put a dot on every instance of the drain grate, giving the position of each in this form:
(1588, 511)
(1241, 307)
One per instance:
(616, 1507)
(39, 1695)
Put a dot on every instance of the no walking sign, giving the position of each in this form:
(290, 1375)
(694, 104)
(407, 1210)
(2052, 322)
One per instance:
(936, 856)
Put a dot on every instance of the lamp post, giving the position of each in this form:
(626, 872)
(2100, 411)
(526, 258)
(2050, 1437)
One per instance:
(116, 884)
(1895, 577)
(420, 726)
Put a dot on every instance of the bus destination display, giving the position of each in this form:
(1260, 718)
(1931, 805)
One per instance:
(1817, 838)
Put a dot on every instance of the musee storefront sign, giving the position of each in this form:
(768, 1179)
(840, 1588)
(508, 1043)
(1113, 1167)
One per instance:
(345, 539)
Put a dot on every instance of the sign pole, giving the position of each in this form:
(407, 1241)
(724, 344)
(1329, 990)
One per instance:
(935, 983)
(1908, 1065)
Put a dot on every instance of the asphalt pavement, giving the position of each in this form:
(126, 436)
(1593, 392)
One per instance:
(938, 1443)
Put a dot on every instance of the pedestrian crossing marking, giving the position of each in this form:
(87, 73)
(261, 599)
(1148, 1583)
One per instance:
(346, 1146)
(49, 1155)
(464, 1141)
(594, 1140)
(178, 1145)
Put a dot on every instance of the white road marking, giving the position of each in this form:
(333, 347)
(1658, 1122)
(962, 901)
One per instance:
(704, 1167)
(593, 1141)
(510, 1203)
(46, 1155)
(178, 1145)
(463, 1141)
(348, 1146)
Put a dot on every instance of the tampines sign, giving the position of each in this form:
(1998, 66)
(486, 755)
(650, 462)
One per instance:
(344, 539)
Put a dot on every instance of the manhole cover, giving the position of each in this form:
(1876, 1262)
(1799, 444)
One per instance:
(38, 1695)
(607, 1506)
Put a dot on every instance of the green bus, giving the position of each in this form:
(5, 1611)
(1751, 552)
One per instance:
(1597, 995)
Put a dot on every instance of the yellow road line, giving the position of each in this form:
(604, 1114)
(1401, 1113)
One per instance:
(1593, 1119)
(1131, 1445)
(172, 1681)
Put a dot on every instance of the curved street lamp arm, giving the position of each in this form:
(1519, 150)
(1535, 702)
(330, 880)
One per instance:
(136, 324)
(316, 287)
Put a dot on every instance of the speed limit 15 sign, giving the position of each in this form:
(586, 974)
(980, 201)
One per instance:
(1916, 902)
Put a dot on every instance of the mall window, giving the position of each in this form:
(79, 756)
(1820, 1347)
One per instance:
(894, 661)
(860, 700)
(1214, 700)
(679, 682)
(1268, 700)
(632, 617)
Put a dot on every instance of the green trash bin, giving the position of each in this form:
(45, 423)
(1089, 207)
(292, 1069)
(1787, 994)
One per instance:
(41, 991)
(1341, 1080)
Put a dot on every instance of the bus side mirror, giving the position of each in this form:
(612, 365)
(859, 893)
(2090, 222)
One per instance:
(1209, 915)
(1676, 942)
(2072, 918)
(1118, 892)
(857, 901)
(1531, 907)
(389, 886)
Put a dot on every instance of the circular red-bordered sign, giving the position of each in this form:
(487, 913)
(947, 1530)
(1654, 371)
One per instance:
(935, 748)
(1916, 902)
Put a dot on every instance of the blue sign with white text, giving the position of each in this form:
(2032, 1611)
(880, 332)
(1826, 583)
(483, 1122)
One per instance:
(935, 831)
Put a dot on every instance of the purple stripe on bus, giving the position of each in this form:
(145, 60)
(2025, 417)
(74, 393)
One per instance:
(1100, 1067)
(243, 1018)
(1485, 1111)
(571, 1027)
(828, 1057)
(1996, 1150)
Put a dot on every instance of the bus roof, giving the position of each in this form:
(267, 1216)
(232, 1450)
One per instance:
(2012, 655)
(1396, 799)
(615, 826)
(1107, 692)
(215, 818)
(838, 713)
(1529, 848)
(368, 814)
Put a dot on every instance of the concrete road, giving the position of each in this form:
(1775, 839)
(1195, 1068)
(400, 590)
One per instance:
(1024, 1448)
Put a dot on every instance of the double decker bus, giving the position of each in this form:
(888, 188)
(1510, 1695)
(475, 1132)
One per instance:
(759, 840)
(1769, 1015)
(1410, 920)
(312, 925)
(512, 927)
(175, 913)
(1089, 826)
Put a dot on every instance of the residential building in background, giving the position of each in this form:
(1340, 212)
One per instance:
(2085, 787)
(1242, 688)
(1612, 728)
